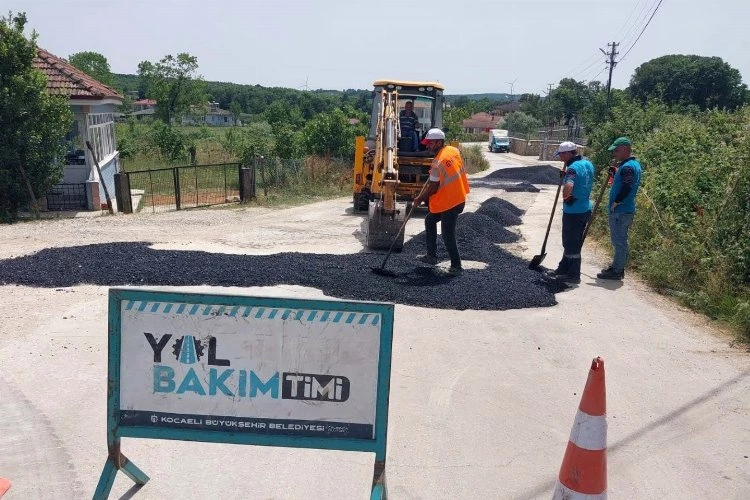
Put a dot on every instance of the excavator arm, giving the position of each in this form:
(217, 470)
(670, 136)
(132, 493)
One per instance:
(385, 215)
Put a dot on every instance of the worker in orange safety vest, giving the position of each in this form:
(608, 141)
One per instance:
(446, 190)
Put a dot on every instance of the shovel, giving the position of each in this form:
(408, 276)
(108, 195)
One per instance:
(382, 271)
(598, 202)
(539, 258)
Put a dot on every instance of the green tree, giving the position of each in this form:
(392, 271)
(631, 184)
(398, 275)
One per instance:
(280, 113)
(257, 142)
(171, 144)
(174, 84)
(331, 134)
(452, 118)
(519, 123)
(32, 123)
(569, 98)
(705, 82)
(236, 110)
(93, 64)
(126, 108)
(287, 142)
(533, 104)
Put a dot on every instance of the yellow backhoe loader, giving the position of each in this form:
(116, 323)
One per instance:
(390, 168)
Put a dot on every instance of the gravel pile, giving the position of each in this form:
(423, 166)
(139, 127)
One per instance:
(535, 174)
(506, 283)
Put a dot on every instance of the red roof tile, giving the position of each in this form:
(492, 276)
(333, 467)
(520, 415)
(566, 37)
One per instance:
(481, 120)
(65, 79)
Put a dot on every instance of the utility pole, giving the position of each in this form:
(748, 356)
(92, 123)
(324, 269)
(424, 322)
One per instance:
(611, 62)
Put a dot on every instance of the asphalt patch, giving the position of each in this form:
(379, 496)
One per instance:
(505, 283)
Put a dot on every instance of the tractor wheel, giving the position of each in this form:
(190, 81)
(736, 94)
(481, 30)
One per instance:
(361, 201)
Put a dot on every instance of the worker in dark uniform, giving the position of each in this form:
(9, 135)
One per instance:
(577, 184)
(622, 194)
(409, 122)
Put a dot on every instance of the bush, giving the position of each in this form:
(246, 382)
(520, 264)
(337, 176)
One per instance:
(691, 233)
(474, 160)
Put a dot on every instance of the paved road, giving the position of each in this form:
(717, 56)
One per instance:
(481, 402)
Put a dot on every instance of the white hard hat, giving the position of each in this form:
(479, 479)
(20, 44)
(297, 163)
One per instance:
(566, 146)
(434, 134)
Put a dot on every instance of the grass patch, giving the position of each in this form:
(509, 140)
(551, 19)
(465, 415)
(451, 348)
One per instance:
(474, 160)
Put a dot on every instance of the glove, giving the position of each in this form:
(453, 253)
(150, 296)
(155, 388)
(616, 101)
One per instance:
(569, 200)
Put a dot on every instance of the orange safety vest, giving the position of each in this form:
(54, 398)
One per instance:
(454, 185)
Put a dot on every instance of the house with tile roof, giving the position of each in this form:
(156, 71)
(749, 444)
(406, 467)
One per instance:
(480, 123)
(144, 109)
(93, 105)
(211, 115)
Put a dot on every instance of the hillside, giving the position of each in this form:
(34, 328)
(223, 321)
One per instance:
(215, 89)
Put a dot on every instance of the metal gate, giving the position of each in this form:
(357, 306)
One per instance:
(191, 186)
(67, 196)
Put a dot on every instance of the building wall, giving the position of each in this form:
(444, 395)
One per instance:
(101, 134)
(526, 147)
(108, 179)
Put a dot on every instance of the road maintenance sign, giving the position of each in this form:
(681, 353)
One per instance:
(246, 370)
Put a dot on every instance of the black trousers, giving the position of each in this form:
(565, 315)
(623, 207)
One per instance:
(447, 221)
(573, 226)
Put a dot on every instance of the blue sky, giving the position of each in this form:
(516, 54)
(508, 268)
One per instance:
(471, 46)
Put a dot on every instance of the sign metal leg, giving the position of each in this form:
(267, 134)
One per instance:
(117, 461)
(379, 487)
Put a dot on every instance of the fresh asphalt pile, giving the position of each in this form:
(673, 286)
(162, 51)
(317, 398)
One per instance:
(534, 174)
(519, 179)
(505, 283)
(523, 187)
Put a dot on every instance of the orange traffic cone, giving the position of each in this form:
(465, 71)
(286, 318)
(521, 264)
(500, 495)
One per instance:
(4, 486)
(583, 473)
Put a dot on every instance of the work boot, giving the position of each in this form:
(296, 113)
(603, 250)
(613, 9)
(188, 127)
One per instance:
(428, 259)
(611, 274)
(566, 278)
(455, 271)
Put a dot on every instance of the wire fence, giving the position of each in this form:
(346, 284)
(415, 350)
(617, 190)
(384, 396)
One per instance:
(191, 186)
(177, 188)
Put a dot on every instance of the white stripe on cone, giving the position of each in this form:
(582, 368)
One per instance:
(589, 432)
(563, 493)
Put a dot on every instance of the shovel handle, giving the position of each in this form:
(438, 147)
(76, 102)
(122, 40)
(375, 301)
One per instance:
(554, 206)
(598, 202)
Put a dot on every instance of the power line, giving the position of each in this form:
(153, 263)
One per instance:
(644, 29)
(588, 62)
(592, 79)
(622, 29)
(639, 20)
(588, 68)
